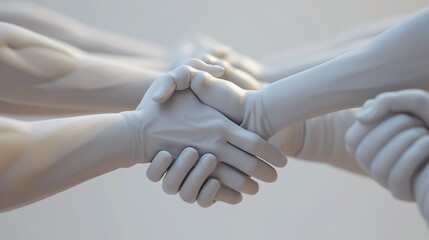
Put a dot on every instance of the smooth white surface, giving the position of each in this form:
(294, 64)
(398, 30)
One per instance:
(308, 202)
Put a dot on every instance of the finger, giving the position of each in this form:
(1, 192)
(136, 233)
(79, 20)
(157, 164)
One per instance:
(178, 171)
(389, 154)
(247, 163)
(208, 89)
(421, 191)
(210, 59)
(207, 195)
(178, 79)
(355, 134)
(380, 135)
(165, 87)
(368, 104)
(401, 178)
(159, 166)
(228, 195)
(253, 144)
(409, 101)
(214, 69)
(219, 52)
(197, 177)
(234, 179)
(237, 76)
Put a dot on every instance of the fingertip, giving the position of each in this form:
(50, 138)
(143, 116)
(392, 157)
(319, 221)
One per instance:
(269, 175)
(367, 115)
(163, 93)
(282, 162)
(159, 98)
(206, 197)
(159, 166)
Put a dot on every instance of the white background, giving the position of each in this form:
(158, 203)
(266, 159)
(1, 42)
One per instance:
(309, 201)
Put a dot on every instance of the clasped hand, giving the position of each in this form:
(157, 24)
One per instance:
(231, 154)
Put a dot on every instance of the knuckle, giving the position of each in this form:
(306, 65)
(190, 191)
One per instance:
(184, 68)
(384, 96)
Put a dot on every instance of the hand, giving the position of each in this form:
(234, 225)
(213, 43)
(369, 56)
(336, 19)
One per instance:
(390, 140)
(154, 122)
(197, 180)
(202, 44)
(237, 76)
(244, 107)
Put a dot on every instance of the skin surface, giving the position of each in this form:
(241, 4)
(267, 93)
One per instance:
(301, 147)
(390, 141)
(69, 79)
(391, 61)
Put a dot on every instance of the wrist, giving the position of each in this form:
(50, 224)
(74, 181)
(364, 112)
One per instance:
(135, 124)
(290, 140)
(255, 118)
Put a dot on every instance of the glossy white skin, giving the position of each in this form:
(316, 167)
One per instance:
(142, 53)
(55, 25)
(292, 61)
(41, 75)
(132, 51)
(390, 140)
(225, 141)
(65, 79)
(41, 158)
(388, 62)
(245, 82)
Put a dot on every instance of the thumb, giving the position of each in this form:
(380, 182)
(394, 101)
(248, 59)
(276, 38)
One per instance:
(179, 78)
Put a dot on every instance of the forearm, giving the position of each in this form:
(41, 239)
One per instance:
(297, 64)
(152, 64)
(43, 73)
(42, 158)
(56, 25)
(397, 59)
(320, 139)
(285, 64)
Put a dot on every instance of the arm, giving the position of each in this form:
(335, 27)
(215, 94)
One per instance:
(55, 25)
(43, 158)
(396, 59)
(391, 61)
(45, 76)
(40, 72)
(320, 139)
(287, 63)
(113, 46)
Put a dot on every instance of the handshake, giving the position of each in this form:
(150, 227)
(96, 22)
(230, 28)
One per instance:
(205, 135)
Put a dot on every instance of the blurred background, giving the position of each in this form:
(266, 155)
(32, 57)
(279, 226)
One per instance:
(308, 201)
